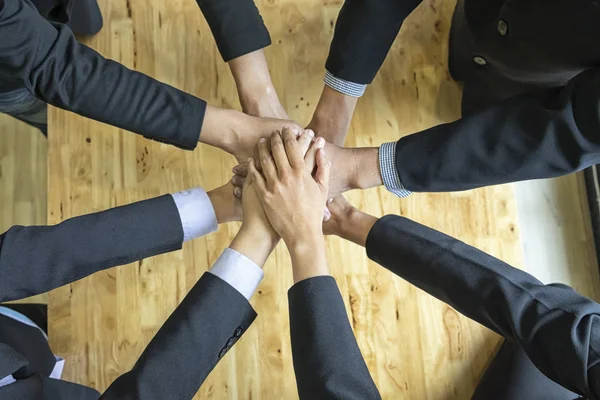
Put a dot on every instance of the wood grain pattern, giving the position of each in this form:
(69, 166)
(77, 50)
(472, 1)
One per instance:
(415, 346)
(22, 179)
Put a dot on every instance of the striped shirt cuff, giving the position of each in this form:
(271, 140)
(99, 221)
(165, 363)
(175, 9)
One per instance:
(345, 87)
(389, 173)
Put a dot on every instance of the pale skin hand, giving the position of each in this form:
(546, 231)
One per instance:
(227, 207)
(348, 222)
(257, 238)
(237, 133)
(294, 201)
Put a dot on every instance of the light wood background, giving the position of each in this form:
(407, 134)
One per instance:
(415, 346)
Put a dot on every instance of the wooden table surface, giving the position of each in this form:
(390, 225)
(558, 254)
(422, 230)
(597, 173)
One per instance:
(415, 346)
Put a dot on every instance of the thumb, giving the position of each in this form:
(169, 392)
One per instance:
(323, 169)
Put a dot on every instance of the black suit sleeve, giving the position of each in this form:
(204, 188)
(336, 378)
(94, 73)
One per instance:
(209, 321)
(48, 60)
(327, 360)
(558, 328)
(364, 33)
(236, 25)
(37, 259)
(537, 135)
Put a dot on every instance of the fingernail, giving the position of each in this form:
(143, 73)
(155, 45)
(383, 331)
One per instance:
(237, 192)
(235, 170)
(320, 142)
(250, 160)
(295, 131)
(330, 200)
(310, 133)
(262, 140)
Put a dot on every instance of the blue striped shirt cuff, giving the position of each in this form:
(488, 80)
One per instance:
(389, 173)
(345, 87)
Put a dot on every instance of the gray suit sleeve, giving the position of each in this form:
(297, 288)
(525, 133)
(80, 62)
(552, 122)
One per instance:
(48, 60)
(207, 323)
(37, 259)
(558, 328)
(327, 360)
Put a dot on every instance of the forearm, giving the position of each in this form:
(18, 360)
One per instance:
(327, 360)
(236, 25)
(255, 242)
(541, 318)
(211, 318)
(69, 75)
(532, 136)
(36, 259)
(364, 33)
(309, 258)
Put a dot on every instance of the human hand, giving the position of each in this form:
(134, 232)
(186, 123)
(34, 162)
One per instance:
(254, 214)
(347, 221)
(227, 206)
(238, 133)
(293, 200)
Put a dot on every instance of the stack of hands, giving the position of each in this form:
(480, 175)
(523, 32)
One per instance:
(284, 194)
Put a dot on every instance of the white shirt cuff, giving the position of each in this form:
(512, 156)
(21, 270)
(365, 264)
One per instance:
(7, 380)
(239, 271)
(197, 214)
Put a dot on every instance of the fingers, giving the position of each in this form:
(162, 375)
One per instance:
(257, 178)
(266, 161)
(323, 169)
(326, 215)
(305, 141)
(310, 158)
(278, 152)
(238, 180)
(241, 170)
(292, 148)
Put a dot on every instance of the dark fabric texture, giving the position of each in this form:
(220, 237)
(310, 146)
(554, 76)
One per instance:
(512, 376)
(364, 33)
(36, 259)
(38, 313)
(47, 60)
(189, 344)
(207, 323)
(29, 342)
(236, 25)
(558, 328)
(327, 360)
(543, 134)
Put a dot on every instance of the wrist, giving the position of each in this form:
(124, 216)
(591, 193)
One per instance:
(218, 128)
(366, 172)
(262, 230)
(356, 226)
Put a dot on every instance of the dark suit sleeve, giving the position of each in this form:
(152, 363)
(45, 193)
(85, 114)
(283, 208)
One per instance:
(364, 33)
(558, 328)
(538, 135)
(48, 60)
(37, 259)
(236, 25)
(209, 321)
(327, 360)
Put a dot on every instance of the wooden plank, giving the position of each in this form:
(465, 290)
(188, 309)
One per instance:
(23, 185)
(415, 346)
